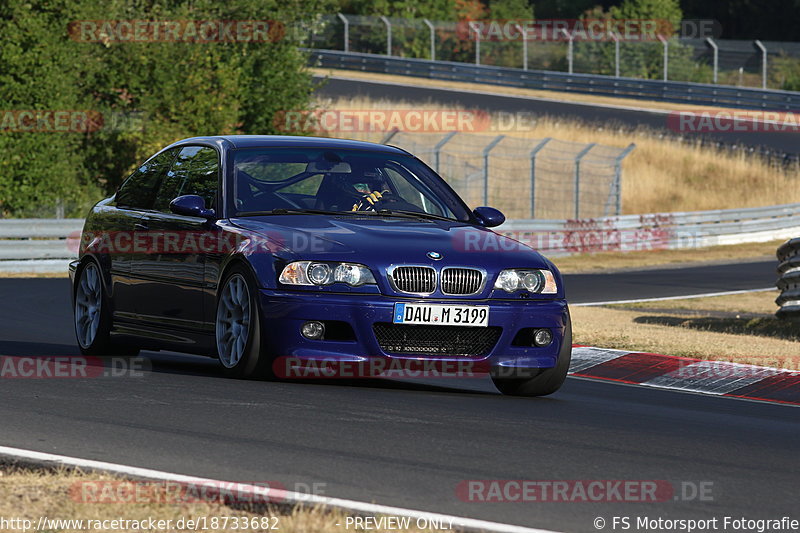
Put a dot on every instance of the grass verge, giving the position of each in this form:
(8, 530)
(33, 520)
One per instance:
(739, 328)
(32, 494)
(621, 261)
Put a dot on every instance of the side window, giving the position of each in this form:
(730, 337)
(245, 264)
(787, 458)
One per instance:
(140, 188)
(195, 171)
(410, 194)
(204, 176)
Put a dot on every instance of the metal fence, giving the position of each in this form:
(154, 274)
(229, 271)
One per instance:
(703, 60)
(524, 178)
(666, 91)
(789, 280)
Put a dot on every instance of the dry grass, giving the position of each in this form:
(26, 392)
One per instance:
(738, 328)
(31, 494)
(746, 302)
(663, 174)
(617, 261)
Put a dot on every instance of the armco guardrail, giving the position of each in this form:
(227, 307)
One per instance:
(39, 245)
(657, 231)
(666, 91)
(789, 280)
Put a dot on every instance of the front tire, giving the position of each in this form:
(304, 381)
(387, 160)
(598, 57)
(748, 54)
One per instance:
(92, 312)
(238, 327)
(546, 381)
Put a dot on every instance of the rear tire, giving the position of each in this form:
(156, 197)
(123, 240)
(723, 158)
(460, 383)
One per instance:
(546, 381)
(92, 313)
(238, 327)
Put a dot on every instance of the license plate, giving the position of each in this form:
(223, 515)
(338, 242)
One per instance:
(441, 315)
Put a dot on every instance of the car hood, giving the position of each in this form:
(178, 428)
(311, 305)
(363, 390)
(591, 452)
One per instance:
(387, 241)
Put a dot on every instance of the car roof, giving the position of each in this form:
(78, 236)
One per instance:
(276, 141)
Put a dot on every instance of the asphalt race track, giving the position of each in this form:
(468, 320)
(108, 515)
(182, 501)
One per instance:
(408, 444)
(781, 142)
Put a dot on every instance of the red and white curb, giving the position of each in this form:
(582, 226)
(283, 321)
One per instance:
(717, 378)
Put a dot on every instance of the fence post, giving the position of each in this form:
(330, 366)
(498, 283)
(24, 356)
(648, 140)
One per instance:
(665, 42)
(390, 135)
(616, 53)
(388, 35)
(433, 38)
(710, 42)
(346, 31)
(524, 47)
(486, 167)
(438, 149)
(618, 175)
(569, 48)
(578, 178)
(535, 151)
(472, 27)
(763, 49)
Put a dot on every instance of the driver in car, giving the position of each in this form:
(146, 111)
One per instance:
(369, 197)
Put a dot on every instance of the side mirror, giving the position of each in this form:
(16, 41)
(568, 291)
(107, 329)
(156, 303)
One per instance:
(191, 205)
(489, 217)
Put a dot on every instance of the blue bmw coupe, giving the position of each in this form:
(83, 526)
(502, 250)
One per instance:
(258, 250)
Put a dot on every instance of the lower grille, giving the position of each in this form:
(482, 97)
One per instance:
(462, 341)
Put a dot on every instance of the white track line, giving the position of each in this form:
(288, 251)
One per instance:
(468, 524)
(665, 298)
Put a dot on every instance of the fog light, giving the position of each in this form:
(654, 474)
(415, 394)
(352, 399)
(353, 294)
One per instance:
(542, 337)
(313, 330)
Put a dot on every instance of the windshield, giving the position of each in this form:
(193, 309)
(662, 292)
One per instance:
(341, 181)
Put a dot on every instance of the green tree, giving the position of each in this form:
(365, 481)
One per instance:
(642, 59)
(148, 93)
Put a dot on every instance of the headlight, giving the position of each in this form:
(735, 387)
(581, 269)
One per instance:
(536, 281)
(318, 273)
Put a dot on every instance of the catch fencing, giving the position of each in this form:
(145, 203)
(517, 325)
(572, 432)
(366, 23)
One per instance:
(789, 279)
(696, 57)
(525, 178)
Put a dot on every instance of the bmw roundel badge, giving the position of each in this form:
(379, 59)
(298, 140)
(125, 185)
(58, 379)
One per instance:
(434, 255)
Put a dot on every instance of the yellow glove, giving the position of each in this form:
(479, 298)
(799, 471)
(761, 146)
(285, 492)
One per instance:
(371, 198)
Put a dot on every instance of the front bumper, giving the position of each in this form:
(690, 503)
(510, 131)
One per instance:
(284, 312)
